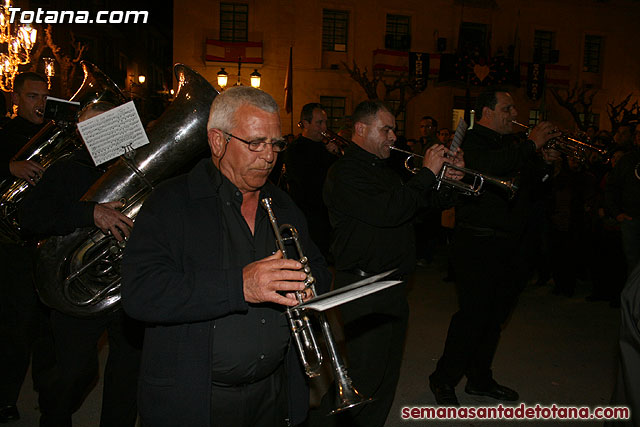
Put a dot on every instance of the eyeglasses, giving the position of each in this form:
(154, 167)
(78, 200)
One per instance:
(259, 144)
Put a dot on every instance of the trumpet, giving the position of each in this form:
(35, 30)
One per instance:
(570, 146)
(308, 349)
(473, 188)
(338, 140)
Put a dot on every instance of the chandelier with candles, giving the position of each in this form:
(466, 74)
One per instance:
(18, 40)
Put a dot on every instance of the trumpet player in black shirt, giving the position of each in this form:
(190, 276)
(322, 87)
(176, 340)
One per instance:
(371, 211)
(487, 247)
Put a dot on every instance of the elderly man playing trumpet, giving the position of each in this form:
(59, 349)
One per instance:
(201, 268)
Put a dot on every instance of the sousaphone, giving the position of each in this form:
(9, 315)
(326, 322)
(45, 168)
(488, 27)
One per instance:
(79, 274)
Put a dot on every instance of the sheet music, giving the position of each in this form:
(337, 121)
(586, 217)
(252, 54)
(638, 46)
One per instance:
(113, 132)
(330, 300)
(461, 130)
(350, 292)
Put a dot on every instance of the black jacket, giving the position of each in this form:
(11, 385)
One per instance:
(503, 157)
(172, 278)
(53, 207)
(622, 194)
(13, 136)
(371, 211)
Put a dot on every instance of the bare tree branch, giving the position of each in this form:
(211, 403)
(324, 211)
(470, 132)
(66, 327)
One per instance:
(370, 85)
(620, 115)
(576, 100)
(408, 87)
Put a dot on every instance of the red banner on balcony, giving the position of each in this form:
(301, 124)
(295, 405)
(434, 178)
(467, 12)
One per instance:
(390, 60)
(222, 51)
(554, 75)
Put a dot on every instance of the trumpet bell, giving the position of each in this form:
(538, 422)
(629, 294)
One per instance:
(472, 184)
(304, 338)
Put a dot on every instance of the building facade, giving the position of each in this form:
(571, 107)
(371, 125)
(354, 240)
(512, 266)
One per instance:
(531, 47)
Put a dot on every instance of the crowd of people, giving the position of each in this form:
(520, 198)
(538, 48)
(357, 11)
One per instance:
(204, 331)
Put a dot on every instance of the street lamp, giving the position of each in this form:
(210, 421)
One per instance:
(255, 78)
(49, 70)
(223, 77)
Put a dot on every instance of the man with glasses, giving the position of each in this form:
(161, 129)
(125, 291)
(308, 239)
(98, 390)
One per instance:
(201, 269)
(428, 132)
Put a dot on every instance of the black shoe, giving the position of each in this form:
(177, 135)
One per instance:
(445, 394)
(9, 414)
(494, 390)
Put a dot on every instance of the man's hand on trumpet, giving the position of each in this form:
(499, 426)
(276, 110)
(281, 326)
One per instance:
(457, 160)
(434, 157)
(543, 132)
(550, 155)
(265, 280)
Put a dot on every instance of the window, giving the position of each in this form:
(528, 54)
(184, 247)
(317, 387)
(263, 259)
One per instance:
(543, 44)
(472, 39)
(594, 119)
(233, 22)
(334, 107)
(592, 53)
(398, 34)
(335, 26)
(535, 117)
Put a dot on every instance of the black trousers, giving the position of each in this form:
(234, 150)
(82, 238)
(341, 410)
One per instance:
(490, 276)
(375, 328)
(23, 323)
(76, 346)
(260, 404)
(627, 388)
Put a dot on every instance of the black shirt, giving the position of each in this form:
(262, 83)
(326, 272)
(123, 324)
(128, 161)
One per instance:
(307, 163)
(500, 156)
(251, 345)
(53, 207)
(13, 136)
(371, 211)
(623, 186)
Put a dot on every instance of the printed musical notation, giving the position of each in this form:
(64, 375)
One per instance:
(113, 133)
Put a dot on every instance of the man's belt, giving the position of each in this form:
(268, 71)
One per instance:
(482, 231)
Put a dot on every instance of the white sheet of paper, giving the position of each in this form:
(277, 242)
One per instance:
(326, 301)
(111, 133)
(458, 136)
(350, 292)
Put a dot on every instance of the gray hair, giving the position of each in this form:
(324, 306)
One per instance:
(224, 107)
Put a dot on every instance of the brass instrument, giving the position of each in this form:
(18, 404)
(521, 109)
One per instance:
(570, 146)
(55, 141)
(310, 354)
(472, 188)
(79, 274)
(339, 141)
